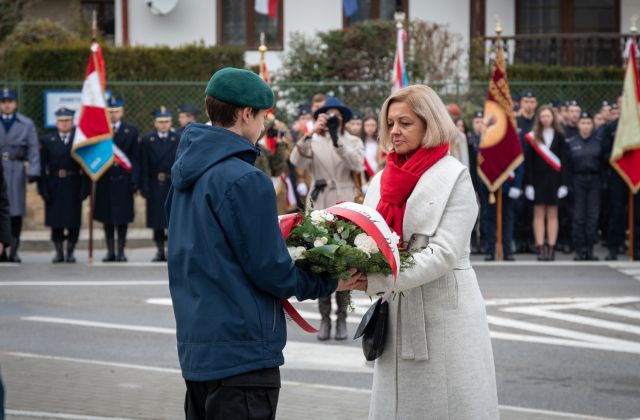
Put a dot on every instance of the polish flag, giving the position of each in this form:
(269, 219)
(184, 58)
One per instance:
(267, 7)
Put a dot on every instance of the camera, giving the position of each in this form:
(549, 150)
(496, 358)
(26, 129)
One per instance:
(333, 122)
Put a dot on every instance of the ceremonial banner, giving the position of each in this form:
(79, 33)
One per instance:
(500, 149)
(93, 146)
(625, 155)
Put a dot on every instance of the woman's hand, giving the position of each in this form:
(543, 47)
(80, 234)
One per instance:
(358, 281)
(320, 125)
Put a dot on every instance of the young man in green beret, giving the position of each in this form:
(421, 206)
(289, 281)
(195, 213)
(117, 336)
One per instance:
(229, 268)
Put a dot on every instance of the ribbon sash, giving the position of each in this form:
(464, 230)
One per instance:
(545, 152)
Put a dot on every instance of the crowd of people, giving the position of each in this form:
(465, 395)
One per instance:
(328, 153)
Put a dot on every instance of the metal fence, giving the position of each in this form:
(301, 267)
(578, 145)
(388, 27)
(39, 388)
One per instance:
(143, 97)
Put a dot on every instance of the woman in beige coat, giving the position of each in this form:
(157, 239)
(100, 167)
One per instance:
(331, 159)
(437, 362)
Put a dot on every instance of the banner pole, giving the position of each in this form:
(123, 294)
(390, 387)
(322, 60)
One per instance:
(631, 227)
(499, 224)
(91, 203)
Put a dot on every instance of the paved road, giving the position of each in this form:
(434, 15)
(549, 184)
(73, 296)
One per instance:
(90, 342)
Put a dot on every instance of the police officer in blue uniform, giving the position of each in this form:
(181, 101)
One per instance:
(186, 115)
(63, 186)
(477, 241)
(114, 205)
(18, 144)
(585, 163)
(158, 149)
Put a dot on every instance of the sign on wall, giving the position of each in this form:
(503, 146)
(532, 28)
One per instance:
(55, 99)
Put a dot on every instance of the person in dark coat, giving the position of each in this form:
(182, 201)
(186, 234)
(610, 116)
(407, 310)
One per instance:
(5, 215)
(63, 186)
(158, 149)
(477, 241)
(114, 205)
(585, 162)
(18, 144)
(186, 115)
(229, 267)
(546, 179)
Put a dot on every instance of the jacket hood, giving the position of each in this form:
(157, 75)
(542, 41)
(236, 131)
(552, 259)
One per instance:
(203, 146)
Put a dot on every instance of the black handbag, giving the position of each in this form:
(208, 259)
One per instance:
(373, 330)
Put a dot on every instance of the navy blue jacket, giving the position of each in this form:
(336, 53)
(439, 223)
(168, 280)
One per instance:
(228, 264)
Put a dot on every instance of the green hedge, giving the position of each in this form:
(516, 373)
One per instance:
(537, 72)
(122, 63)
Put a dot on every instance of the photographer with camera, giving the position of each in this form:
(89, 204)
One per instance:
(331, 155)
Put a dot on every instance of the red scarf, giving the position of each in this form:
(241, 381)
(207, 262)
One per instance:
(400, 178)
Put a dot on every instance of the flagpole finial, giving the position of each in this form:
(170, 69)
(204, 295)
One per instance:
(634, 21)
(263, 46)
(399, 18)
(498, 25)
(94, 25)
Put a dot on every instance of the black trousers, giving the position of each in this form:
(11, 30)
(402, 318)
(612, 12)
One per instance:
(16, 226)
(109, 231)
(57, 235)
(249, 396)
(586, 209)
(159, 235)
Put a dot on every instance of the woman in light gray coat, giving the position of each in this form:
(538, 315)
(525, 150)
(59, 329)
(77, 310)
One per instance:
(437, 362)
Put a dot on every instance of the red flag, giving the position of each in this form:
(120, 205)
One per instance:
(625, 156)
(500, 148)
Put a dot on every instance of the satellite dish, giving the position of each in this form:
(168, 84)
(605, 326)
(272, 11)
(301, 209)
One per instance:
(161, 7)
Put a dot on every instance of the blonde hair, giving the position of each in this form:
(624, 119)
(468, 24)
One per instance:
(428, 106)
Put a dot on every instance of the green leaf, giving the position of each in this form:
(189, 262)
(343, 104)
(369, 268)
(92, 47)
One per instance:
(325, 250)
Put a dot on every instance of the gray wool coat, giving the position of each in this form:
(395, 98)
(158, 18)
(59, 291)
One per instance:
(334, 165)
(437, 363)
(18, 146)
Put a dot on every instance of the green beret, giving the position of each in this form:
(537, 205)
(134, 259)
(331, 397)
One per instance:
(240, 87)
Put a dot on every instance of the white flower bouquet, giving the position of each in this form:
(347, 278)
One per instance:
(342, 237)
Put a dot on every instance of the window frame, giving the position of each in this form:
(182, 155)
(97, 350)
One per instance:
(566, 16)
(251, 38)
(375, 12)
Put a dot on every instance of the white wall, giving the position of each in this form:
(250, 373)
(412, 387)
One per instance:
(118, 22)
(305, 16)
(191, 21)
(628, 8)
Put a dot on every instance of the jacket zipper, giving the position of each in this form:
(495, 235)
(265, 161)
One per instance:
(273, 327)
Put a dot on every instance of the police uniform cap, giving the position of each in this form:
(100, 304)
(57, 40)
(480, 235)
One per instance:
(515, 98)
(8, 93)
(614, 106)
(528, 93)
(63, 114)
(572, 102)
(605, 103)
(240, 87)
(557, 103)
(114, 103)
(162, 114)
(478, 114)
(356, 115)
(188, 109)
(303, 109)
(585, 114)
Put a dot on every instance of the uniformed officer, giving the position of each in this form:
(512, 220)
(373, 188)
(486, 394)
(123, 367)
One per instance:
(523, 208)
(114, 205)
(474, 148)
(18, 144)
(570, 126)
(565, 205)
(186, 114)
(63, 186)
(585, 162)
(158, 150)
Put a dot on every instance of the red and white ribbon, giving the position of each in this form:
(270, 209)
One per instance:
(122, 158)
(545, 152)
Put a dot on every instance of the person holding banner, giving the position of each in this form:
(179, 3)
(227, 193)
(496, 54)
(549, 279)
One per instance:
(230, 272)
(158, 150)
(332, 155)
(437, 361)
(546, 178)
(63, 186)
(114, 206)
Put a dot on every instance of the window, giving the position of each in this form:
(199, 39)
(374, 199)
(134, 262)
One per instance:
(567, 16)
(375, 9)
(105, 14)
(239, 24)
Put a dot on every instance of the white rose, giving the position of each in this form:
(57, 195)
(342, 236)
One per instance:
(366, 244)
(320, 216)
(296, 252)
(320, 242)
(394, 238)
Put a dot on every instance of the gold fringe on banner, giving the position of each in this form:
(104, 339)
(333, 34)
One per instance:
(492, 198)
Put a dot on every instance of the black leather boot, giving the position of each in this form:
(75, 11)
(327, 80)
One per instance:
(589, 256)
(540, 252)
(59, 257)
(71, 246)
(13, 253)
(111, 255)
(121, 257)
(580, 254)
(551, 256)
(612, 255)
(160, 255)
